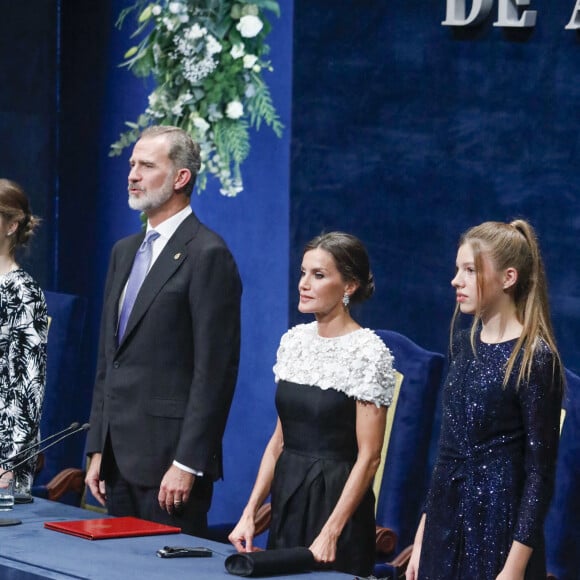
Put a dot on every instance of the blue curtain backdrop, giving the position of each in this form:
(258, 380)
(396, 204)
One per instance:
(29, 116)
(406, 132)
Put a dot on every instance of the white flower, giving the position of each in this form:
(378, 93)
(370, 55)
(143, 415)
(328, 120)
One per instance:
(249, 26)
(212, 45)
(256, 68)
(234, 110)
(250, 60)
(195, 32)
(175, 7)
(168, 24)
(153, 99)
(201, 124)
(183, 18)
(237, 50)
(156, 10)
(250, 91)
(177, 109)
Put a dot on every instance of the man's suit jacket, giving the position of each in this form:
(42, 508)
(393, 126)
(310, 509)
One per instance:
(165, 391)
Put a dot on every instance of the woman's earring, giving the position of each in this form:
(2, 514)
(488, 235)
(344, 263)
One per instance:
(346, 300)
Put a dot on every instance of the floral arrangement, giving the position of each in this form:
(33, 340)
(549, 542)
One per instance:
(206, 58)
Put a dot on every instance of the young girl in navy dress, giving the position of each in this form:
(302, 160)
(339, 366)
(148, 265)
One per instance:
(335, 383)
(494, 474)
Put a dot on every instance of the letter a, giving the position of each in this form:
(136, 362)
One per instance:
(574, 23)
(456, 12)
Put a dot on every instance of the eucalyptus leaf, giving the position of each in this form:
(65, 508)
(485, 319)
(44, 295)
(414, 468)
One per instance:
(146, 14)
(133, 50)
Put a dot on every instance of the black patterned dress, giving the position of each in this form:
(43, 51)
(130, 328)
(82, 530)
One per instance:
(23, 332)
(320, 381)
(494, 475)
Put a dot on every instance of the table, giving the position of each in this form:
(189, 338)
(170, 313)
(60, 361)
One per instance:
(31, 552)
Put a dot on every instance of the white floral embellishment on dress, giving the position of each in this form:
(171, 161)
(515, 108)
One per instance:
(357, 364)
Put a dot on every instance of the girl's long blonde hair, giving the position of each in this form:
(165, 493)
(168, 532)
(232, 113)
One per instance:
(514, 245)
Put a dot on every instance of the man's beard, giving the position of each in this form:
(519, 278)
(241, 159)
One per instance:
(153, 199)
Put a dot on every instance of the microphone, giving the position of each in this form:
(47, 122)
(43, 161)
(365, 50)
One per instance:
(77, 429)
(28, 449)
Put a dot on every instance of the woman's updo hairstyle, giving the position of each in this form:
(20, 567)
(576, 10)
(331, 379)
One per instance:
(351, 259)
(14, 206)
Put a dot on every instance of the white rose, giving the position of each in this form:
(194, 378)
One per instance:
(237, 50)
(175, 7)
(201, 124)
(249, 26)
(156, 10)
(250, 60)
(234, 110)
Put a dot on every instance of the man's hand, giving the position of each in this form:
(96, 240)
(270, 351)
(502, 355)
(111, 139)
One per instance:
(96, 485)
(175, 488)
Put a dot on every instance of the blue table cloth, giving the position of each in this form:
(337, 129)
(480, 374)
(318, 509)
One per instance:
(29, 551)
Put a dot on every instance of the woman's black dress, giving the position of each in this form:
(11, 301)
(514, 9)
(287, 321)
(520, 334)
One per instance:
(320, 445)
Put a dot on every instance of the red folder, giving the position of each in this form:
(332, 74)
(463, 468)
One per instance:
(104, 528)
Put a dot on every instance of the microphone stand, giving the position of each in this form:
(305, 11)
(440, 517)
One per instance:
(5, 463)
(67, 433)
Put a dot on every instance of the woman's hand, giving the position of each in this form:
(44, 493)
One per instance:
(324, 547)
(242, 535)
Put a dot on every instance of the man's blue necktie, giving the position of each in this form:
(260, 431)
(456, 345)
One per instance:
(138, 272)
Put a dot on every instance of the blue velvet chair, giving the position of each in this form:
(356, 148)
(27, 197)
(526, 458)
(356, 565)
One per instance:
(65, 401)
(403, 478)
(562, 529)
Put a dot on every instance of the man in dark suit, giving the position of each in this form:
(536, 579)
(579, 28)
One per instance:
(167, 366)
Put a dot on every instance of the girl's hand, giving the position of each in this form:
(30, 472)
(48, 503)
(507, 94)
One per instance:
(412, 572)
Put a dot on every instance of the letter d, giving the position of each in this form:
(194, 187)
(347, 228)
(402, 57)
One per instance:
(456, 12)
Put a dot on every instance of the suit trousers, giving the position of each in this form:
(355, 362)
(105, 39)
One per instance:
(127, 499)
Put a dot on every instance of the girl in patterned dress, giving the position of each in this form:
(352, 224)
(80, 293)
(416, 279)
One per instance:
(335, 383)
(23, 331)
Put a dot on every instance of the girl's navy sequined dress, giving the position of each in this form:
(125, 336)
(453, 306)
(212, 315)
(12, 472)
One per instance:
(494, 475)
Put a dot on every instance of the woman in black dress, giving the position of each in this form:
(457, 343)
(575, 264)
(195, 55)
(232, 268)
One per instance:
(494, 474)
(335, 383)
(23, 330)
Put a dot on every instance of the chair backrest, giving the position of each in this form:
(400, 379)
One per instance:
(562, 527)
(407, 467)
(65, 400)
